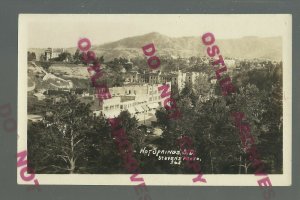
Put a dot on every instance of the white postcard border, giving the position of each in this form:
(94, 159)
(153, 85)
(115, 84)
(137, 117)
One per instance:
(155, 179)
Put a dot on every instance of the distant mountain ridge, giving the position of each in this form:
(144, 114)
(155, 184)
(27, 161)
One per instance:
(244, 48)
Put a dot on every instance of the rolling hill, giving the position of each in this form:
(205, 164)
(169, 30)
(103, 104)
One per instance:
(243, 48)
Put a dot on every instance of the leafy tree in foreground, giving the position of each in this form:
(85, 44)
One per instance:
(102, 153)
(130, 126)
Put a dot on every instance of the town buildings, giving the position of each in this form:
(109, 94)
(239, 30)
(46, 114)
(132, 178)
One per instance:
(176, 78)
(140, 95)
(140, 100)
(51, 53)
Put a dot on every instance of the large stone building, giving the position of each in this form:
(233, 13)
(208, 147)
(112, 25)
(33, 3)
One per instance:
(139, 100)
(177, 78)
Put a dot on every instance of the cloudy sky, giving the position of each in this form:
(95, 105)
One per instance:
(42, 31)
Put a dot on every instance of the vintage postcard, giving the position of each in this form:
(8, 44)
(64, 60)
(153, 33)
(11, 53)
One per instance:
(164, 99)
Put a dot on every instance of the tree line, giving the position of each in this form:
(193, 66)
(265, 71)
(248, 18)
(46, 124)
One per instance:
(71, 140)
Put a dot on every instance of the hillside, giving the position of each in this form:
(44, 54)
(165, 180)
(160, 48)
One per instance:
(38, 79)
(244, 48)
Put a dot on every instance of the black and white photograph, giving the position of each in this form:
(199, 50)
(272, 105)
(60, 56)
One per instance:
(166, 96)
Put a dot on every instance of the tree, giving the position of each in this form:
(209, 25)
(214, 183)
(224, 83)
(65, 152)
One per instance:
(45, 65)
(189, 92)
(42, 58)
(202, 86)
(215, 135)
(102, 153)
(64, 138)
(64, 56)
(77, 57)
(101, 60)
(115, 65)
(175, 92)
(31, 56)
(130, 126)
(272, 125)
(211, 127)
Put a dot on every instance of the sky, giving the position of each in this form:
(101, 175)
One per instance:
(63, 31)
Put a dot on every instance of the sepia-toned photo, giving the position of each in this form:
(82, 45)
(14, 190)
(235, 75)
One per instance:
(168, 97)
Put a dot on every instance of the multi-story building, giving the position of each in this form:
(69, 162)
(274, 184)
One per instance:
(51, 53)
(190, 77)
(132, 77)
(144, 78)
(140, 101)
(177, 78)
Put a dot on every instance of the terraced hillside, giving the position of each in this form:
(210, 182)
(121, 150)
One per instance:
(69, 71)
(39, 79)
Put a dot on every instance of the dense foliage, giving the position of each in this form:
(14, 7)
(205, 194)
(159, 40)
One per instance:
(71, 140)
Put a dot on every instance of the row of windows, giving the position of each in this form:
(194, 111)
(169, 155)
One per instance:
(155, 77)
(126, 106)
(156, 81)
(111, 107)
(154, 98)
(129, 92)
(153, 92)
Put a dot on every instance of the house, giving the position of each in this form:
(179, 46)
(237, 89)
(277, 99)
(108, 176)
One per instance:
(51, 53)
